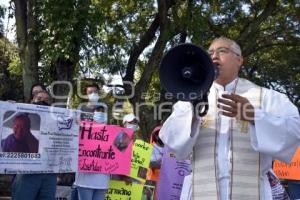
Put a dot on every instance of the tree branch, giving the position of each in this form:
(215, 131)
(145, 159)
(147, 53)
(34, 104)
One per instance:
(268, 45)
(21, 25)
(249, 34)
(153, 63)
(139, 48)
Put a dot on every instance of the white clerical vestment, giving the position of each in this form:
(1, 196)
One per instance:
(275, 135)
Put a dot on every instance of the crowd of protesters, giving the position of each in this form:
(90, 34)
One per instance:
(223, 145)
(84, 185)
(91, 186)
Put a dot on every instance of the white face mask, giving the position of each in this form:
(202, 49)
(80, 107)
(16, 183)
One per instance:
(94, 97)
(100, 117)
(134, 127)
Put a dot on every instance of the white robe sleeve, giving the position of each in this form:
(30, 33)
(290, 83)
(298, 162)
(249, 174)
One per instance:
(179, 133)
(277, 127)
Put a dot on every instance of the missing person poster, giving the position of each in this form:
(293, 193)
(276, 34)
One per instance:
(104, 148)
(37, 139)
(140, 160)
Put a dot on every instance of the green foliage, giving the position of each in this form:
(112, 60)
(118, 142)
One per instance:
(58, 28)
(268, 32)
(279, 69)
(123, 24)
(10, 79)
(14, 66)
(99, 36)
(66, 30)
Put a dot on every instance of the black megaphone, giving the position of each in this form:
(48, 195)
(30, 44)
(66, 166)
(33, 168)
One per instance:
(188, 72)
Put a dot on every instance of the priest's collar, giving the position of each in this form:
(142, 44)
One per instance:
(230, 87)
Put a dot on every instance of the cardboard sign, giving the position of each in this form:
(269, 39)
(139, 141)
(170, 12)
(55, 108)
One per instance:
(288, 171)
(118, 190)
(104, 148)
(172, 175)
(140, 161)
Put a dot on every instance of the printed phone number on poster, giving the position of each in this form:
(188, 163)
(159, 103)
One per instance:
(19, 155)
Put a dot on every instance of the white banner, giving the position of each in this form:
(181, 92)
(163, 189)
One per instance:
(37, 139)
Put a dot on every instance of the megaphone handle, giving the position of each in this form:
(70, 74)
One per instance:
(204, 112)
(201, 112)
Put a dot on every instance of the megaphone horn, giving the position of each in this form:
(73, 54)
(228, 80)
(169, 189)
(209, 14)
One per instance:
(187, 72)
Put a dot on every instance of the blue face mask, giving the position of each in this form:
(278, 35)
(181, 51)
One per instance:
(100, 117)
(94, 97)
(134, 127)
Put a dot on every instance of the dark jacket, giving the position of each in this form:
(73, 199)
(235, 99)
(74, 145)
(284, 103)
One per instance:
(28, 145)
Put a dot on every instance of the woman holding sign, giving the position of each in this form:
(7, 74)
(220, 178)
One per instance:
(92, 186)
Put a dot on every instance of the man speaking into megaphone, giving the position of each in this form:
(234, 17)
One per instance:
(244, 129)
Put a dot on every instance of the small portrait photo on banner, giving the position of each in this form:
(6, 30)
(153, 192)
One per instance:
(20, 132)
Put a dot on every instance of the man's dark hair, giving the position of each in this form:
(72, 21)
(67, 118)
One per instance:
(92, 85)
(25, 117)
(101, 108)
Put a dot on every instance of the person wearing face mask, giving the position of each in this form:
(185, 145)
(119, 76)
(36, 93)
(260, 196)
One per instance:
(92, 186)
(88, 108)
(36, 88)
(100, 114)
(131, 121)
(41, 98)
(35, 186)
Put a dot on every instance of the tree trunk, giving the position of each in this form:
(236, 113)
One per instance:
(26, 25)
(64, 69)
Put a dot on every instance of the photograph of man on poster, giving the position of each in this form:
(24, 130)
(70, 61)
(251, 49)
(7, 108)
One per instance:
(122, 141)
(22, 139)
(142, 172)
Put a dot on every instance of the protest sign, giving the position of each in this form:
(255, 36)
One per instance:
(104, 148)
(140, 161)
(288, 171)
(171, 177)
(118, 190)
(37, 139)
